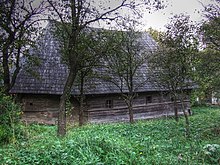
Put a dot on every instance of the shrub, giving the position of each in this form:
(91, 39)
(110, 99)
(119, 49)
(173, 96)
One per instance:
(212, 153)
(9, 119)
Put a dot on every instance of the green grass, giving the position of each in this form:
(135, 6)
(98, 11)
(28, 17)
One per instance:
(160, 141)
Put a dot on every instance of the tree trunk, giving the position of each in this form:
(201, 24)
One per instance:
(81, 101)
(81, 112)
(185, 115)
(130, 110)
(176, 111)
(62, 109)
(175, 108)
(17, 67)
(6, 72)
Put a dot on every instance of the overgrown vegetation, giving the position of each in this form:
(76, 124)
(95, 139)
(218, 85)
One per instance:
(9, 120)
(161, 141)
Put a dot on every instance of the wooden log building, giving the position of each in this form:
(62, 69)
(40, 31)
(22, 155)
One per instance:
(40, 87)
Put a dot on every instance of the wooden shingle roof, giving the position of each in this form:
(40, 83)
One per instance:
(52, 73)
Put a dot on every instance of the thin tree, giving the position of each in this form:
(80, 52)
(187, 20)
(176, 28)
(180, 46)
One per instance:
(19, 20)
(209, 56)
(171, 66)
(92, 49)
(80, 14)
(124, 60)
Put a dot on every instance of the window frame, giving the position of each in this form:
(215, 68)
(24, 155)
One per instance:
(109, 103)
(149, 101)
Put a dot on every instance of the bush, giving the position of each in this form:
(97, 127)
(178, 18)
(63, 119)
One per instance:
(212, 153)
(9, 119)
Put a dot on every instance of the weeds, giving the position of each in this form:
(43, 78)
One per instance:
(145, 142)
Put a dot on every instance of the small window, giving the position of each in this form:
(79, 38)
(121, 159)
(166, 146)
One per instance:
(109, 103)
(148, 99)
(160, 99)
(30, 104)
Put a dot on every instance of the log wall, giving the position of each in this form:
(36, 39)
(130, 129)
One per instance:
(159, 106)
(44, 108)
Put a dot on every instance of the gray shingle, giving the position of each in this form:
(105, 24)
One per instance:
(53, 73)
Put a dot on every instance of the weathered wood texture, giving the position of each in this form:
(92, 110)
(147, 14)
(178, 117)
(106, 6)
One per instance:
(44, 108)
(159, 106)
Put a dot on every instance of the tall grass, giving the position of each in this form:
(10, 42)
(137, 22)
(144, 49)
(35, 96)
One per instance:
(160, 141)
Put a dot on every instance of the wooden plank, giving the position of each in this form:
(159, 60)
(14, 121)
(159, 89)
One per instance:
(149, 109)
